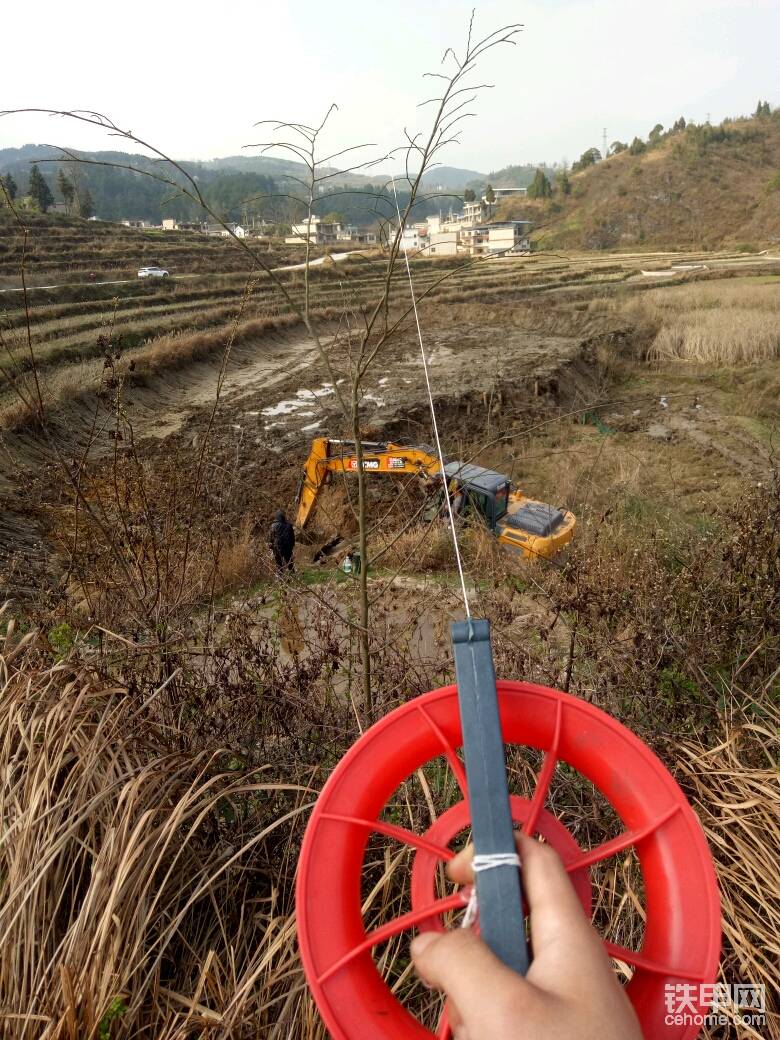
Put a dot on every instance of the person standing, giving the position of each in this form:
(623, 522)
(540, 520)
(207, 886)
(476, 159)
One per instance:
(281, 538)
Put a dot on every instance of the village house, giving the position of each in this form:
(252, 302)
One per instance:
(414, 237)
(498, 237)
(315, 230)
(353, 233)
(225, 230)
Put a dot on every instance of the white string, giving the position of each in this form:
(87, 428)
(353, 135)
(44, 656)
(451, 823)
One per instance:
(433, 412)
(486, 861)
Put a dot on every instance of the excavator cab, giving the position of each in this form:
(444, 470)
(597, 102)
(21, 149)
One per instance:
(487, 493)
(533, 528)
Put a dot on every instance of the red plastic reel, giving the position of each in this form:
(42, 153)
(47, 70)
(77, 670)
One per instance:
(682, 929)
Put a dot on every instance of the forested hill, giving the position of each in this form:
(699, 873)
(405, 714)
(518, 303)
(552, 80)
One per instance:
(690, 186)
(117, 193)
(236, 189)
(520, 175)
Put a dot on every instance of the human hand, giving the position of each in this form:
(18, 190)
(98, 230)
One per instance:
(570, 991)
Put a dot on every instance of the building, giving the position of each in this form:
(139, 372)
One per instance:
(225, 230)
(170, 224)
(498, 237)
(506, 235)
(474, 239)
(314, 230)
(509, 193)
(414, 237)
(443, 243)
(475, 212)
(353, 233)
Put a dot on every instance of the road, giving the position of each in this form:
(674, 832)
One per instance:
(335, 257)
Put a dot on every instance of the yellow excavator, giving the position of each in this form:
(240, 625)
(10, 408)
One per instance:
(533, 528)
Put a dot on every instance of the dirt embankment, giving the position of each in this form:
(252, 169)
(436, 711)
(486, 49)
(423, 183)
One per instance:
(274, 396)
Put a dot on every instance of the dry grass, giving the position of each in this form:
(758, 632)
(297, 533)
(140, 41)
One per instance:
(135, 897)
(422, 548)
(728, 323)
(735, 789)
(736, 337)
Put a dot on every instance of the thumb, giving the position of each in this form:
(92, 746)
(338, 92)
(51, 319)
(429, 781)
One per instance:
(475, 980)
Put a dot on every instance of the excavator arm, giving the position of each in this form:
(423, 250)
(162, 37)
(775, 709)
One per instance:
(336, 456)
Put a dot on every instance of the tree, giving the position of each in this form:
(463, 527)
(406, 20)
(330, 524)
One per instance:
(39, 190)
(469, 196)
(679, 124)
(86, 205)
(10, 186)
(540, 187)
(655, 134)
(617, 146)
(66, 189)
(637, 146)
(762, 109)
(588, 158)
(563, 184)
(490, 195)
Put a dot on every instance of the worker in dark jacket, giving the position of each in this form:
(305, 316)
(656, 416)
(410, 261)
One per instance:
(281, 539)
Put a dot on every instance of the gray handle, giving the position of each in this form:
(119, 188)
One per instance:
(499, 890)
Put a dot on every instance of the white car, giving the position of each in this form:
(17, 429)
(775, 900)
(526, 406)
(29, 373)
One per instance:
(152, 272)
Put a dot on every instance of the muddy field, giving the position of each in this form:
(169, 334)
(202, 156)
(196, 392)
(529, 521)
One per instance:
(537, 367)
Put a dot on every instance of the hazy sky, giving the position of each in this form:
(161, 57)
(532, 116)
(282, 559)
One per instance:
(195, 83)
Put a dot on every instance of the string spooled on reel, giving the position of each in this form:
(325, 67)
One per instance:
(480, 716)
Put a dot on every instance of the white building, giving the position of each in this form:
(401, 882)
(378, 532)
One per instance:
(224, 230)
(169, 224)
(509, 193)
(353, 233)
(443, 243)
(414, 237)
(497, 237)
(314, 230)
(507, 235)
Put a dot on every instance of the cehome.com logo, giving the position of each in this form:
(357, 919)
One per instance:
(742, 1003)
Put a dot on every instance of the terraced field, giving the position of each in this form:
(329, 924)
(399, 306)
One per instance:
(72, 322)
(60, 249)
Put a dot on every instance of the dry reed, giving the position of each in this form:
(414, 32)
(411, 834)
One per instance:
(136, 897)
(735, 789)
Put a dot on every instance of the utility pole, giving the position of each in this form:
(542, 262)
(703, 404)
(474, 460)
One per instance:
(604, 143)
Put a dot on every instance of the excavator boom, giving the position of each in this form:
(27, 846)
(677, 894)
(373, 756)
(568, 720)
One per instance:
(334, 456)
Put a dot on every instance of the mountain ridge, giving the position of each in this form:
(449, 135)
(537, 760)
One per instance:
(696, 186)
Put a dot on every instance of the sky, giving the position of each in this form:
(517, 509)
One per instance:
(194, 84)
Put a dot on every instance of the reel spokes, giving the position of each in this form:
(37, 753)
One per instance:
(682, 933)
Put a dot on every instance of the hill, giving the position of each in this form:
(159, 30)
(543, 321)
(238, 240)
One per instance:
(450, 177)
(236, 187)
(696, 186)
(517, 176)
